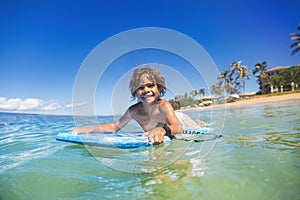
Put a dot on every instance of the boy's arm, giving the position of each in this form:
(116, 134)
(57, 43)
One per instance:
(109, 127)
(173, 122)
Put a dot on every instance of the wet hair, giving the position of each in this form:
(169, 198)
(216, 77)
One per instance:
(150, 73)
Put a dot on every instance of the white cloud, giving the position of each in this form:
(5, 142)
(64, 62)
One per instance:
(51, 106)
(76, 105)
(29, 104)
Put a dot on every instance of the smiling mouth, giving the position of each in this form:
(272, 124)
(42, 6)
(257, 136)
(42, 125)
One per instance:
(148, 95)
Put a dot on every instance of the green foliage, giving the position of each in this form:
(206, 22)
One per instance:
(277, 80)
(291, 74)
(175, 104)
(263, 78)
(296, 38)
(186, 100)
(231, 81)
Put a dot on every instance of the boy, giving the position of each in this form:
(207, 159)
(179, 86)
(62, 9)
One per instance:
(155, 115)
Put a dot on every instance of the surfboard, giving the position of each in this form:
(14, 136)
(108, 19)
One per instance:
(119, 140)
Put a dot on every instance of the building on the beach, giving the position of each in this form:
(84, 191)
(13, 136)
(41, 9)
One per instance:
(284, 86)
(208, 100)
(247, 95)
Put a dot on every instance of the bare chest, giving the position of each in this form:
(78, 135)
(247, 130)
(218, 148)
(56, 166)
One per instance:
(149, 120)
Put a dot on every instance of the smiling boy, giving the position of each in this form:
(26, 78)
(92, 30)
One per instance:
(155, 115)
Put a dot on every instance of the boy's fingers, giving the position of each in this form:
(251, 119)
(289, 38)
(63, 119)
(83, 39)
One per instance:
(149, 139)
(158, 139)
(145, 134)
(153, 138)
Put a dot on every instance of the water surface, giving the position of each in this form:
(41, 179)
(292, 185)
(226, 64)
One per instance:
(257, 158)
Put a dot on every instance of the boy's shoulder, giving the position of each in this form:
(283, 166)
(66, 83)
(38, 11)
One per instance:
(135, 106)
(165, 104)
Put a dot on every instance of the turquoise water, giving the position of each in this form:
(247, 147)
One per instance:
(257, 158)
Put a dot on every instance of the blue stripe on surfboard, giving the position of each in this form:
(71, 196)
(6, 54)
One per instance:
(120, 140)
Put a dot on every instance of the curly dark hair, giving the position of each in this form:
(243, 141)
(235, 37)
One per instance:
(152, 74)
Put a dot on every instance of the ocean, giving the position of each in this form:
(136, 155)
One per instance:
(258, 157)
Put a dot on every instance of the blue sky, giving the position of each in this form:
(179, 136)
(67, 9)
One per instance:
(44, 43)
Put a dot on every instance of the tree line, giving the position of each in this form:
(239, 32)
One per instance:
(233, 80)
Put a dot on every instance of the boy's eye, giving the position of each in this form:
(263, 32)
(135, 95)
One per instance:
(140, 88)
(149, 85)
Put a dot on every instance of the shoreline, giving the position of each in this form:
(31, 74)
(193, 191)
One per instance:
(257, 100)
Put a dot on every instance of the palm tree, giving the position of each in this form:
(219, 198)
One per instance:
(235, 66)
(241, 75)
(201, 91)
(295, 37)
(217, 89)
(244, 74)
(194, 93)
(225, 79)
(263, 78)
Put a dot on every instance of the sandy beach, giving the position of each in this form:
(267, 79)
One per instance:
(255, 101)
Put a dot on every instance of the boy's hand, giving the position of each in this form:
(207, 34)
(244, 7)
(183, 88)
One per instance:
(81, 130)
(157, 134)
(75, 131)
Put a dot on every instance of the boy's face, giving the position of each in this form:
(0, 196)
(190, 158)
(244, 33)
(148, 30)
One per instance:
(147, 91)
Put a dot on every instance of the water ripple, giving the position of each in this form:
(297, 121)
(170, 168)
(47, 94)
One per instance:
(27, 140)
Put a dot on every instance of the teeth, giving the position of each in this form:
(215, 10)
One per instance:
(147, 96)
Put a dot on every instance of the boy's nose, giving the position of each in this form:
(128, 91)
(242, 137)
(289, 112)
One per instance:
(146, 89)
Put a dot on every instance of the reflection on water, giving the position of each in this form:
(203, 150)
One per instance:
(271, 140)
(141, 160)
(275, 126)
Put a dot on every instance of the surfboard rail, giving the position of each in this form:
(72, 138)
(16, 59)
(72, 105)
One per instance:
(119, 140)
